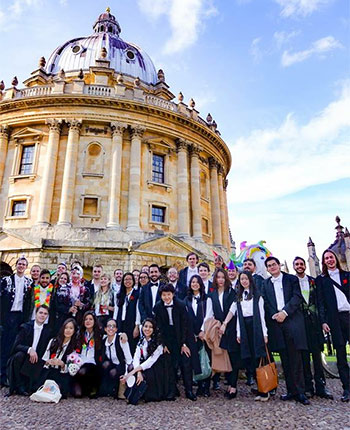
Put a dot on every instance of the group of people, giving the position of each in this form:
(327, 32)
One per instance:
(135, 326)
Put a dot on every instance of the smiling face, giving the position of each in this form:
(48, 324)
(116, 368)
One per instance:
(104, 281)
(21, 267)
(41, 315)
(45, 280)
(167, 297)
(173, 276)
(89, 322)
(63, 279)
(244, 281)
(143, 279)
(330, 261)
(195, 287)
(96, 273)
(218, 261)
(192, 261)
(148, 329)
(154, 273)
(136, 274)
(299, 267)
(249, 266)
(69, 330)
(203, 272)
(61, 268)
(128, 282)
(35, 272)
(75, 274)
(111, 328)
(118, 275)
(273, 268)
(232, 274)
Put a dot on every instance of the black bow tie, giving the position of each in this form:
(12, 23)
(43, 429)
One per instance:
(154, 284)
(197, 299)
(169, 306)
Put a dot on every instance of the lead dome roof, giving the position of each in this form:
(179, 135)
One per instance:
(81, 53)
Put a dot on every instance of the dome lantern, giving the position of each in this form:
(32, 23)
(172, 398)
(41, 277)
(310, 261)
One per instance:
(107, 23)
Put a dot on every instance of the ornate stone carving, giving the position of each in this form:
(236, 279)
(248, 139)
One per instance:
(195, 150)
(181, 145)
(74, 124)
(4, 131)
(118, 128)
(54, 124)
(137, 131)
(220, 170)
(213, 163)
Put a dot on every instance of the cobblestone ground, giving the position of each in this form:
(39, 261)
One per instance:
(19, 413)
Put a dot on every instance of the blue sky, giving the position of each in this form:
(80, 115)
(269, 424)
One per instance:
(274, 74)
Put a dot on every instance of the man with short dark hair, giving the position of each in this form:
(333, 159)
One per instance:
(333, 293)
(186, 274)
(286, 326)
(250, 265)
(42, 293)
(95, 282)
(26, 362)
(116, 284)
(204, 272)
(314, 335)
(149, 294)
(15, 301)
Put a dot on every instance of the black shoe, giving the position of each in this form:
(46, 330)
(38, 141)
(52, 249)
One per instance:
(216, 386)
(200, 392)
(22, 392)
(301, 398)
(207, 393)
(232, 395)
(190, 395)
(249, 381)
(254, 391)
(9, 394)
(286, 397)
(346, 396)
(273, 392)
(324, 394)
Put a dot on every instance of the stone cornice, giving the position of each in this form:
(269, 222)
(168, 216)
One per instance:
(124, 105)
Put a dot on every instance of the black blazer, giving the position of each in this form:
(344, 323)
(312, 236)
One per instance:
(25, 336)
(7, 297)
(130, 315)
(259, 280)
(294, 324)
(327, 304)
(145, 301)
(180, 290)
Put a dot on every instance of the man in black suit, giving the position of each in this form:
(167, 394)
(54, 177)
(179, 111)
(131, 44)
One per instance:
(204, 272)
(25, 363)
(250, 265)
(149, 294)
(173, 278)
(186, 274)
(172, 321)
(333, 293)
(95, 282)
(286, 326)
(15, 303)
(314, 335)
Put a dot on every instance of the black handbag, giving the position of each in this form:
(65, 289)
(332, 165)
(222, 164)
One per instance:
(133, 394)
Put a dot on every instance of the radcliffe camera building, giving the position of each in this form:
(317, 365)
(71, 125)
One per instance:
(99, 163)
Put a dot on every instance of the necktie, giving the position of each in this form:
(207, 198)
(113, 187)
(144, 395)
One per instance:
(197, 299)
(245, 295)
(169, 306)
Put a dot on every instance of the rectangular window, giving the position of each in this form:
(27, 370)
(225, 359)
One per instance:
(158, 168)
(90, 206)
(158, 214)
(27, 160)
(18, 208)
(205, 226)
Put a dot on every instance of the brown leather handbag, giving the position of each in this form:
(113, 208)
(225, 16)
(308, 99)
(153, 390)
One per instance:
(266, 374)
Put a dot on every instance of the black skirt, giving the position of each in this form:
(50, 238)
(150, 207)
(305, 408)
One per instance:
(160, 380)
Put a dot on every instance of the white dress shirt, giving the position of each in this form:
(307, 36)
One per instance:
(247, 311)
(59, 356)
(234, 283)
(195, 303)
(149, 361)
(37, 332)
(88, 354)
(221, 300)
(278, 288)
(209, 313)
(206, 286)
(342, 301)
(154, 291)
(17, 304)
(112, 353)
(169, 309)
(190, 273)
(305, 287)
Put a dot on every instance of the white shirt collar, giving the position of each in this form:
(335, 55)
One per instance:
(277, 279)
(107, 343)
(38, 326)
(333, 272)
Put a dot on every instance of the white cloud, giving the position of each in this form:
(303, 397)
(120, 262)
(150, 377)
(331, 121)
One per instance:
(300, 7)
(185, 18)
(18, 7)
(283, 37)
(256, 50)
(319, 47)
(273, 162)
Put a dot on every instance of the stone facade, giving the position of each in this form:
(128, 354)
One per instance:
(89, 192)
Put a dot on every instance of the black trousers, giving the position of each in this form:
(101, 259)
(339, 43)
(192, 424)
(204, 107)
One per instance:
(86, 381)
(23, 374)
(342, 364)
(110, 375)
(292, 365)
(8, 335)
(318, 376)
(63, 380)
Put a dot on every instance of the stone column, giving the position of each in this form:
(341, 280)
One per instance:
(195, 193)
(183, 219)
(116, 169)
(4, 140)
(48, 178)
(228, 237)
(224, 227)
(69, 174)
(135, 179)
(215, 202)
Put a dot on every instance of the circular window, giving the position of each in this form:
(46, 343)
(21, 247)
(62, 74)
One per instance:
(94, 150)
(130, 55)
(76, 49)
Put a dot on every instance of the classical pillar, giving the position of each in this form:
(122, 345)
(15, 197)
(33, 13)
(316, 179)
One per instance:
(4, 140)
(135, 179)
(195, 193)
(69, 173)
(215, 202)
(224, 227)
(48, 178)
(228, 237)
(116, 169)
(183, 220)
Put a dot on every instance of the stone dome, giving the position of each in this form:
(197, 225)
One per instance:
(124, 57)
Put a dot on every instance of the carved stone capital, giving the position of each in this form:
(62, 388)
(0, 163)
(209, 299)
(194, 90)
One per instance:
(74, 124)
(4, 131)
(213, 163)
(181, 145)
(137, 131)
(220, 170)
(118, 128)
(54, 124)
(195, 150)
